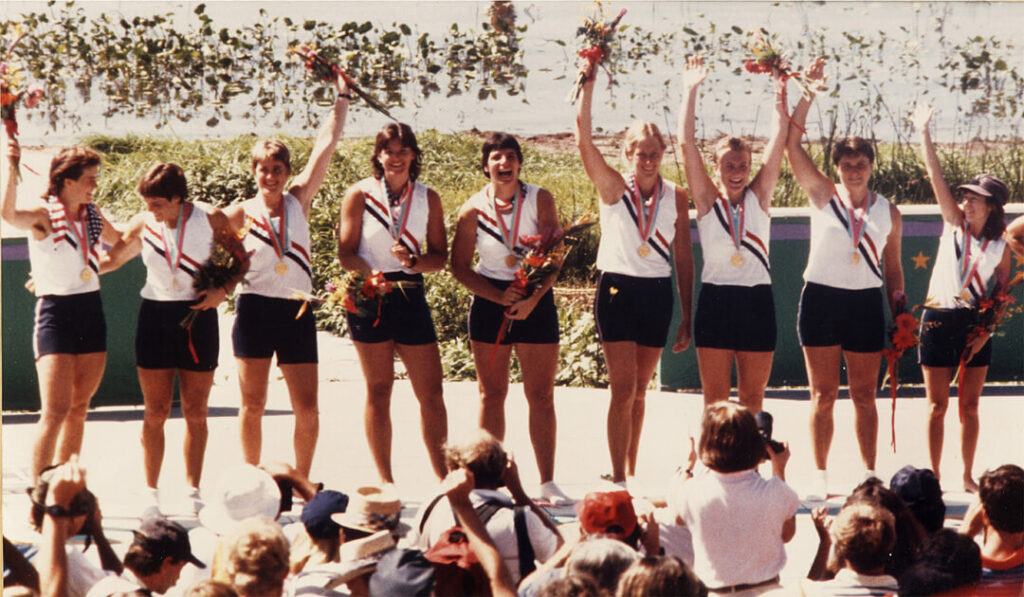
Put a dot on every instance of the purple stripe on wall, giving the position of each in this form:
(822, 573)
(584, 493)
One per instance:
(803, 231)
(17, 252)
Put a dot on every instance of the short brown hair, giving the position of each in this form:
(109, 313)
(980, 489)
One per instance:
(496, 142)
(1001, 493)
(729, 440)
(274, 149)
(164, 180)
(640, 130)
(403, 133)
(660, 575)
(69, 164)
(864, 535)
(853, 146)
(483, 455)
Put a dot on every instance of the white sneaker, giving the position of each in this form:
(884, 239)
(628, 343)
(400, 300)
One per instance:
(195, 499)
(818, 488)
(554, 495)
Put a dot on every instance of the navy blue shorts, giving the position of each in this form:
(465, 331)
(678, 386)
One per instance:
(69, 324)
(735, 318)
(540, 327)
(944, 338)
(404, 316)
(852, 319)
(632, 309)
(265, 325)
(161, 342)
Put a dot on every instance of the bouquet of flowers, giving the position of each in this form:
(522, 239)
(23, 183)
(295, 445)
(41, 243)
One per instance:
(325, 70)
(595, 37)
(765, 56)
(990, 312)
(11, 89)
(545, 253)
(903, 335)
(227, 264)
(361, 293)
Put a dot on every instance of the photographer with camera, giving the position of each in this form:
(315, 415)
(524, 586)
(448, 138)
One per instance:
(740, 521)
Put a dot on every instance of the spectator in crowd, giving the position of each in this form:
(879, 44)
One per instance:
(80, 515)
(864, 533)
(572, 586)
(920, 490)
(319, 538)
(159, 551)
(18, 571)
(211, 588)
(485, 457)
(946, 560)
(909, 532)
(660, 575)
(739, 520)
(998, 516)
(257, 558)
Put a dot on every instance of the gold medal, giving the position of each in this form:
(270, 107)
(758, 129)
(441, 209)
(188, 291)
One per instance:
(856, 258)
(86, 275)
(965, 295)
(737, 259)
(643, 250)
(175, 285)
(280, 268)
(511, 260)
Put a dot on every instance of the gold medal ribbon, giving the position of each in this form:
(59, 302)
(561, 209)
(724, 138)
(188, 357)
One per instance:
(965, 268)
(398, 226)
(645, 218)
(173, 262)
(280, 240)
(509, 236)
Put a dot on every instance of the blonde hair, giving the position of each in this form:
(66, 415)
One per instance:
(726, 144)
(637, 132)
(274, 149)
(257, 557)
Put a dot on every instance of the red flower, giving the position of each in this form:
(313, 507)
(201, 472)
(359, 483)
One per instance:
(593, 54)
(534, 260)
(350, 305)
(905, 322)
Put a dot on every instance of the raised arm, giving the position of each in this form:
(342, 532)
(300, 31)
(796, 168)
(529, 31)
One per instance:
(67, 481)
(35, 220)
(457, 486)
(308, 182)
(702, 188)
(818, 187)
(892, 263)
(951, 212)
(682, 256)
(764, 181)
(609, 183)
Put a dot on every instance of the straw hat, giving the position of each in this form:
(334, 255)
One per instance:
(372, 509)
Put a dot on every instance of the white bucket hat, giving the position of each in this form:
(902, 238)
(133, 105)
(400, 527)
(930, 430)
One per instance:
(241, 492)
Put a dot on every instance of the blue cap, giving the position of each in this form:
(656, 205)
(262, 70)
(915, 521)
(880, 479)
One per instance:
(920, 489)
(316, 514)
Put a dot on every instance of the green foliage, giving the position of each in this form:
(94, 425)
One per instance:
(579, 354)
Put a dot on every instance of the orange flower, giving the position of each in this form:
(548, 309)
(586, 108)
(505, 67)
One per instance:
(906, 322)
(903, 339)
(534, 260)
(350, 305)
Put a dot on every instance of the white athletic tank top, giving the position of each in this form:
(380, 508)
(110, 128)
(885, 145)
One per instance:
(618, 251)
(266, 274)
(721, 264)
(831, 261)
(157, 239)
(376, 238)
(59, 266)
(490, 247)
(946, 289)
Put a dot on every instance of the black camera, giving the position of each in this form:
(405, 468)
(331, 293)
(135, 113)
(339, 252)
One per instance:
(764, 427)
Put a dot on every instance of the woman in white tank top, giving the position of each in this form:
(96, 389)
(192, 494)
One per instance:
(640, 253)
(845, 260)
(737, 260)
(65, 257)
(393, 224)
(972, 258)
(174, 236)
(271, 168)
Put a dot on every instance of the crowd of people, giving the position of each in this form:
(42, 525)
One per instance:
(722, 531)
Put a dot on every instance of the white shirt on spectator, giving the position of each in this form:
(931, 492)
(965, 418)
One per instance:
(82, 573)
(736, 520)
(849, 582)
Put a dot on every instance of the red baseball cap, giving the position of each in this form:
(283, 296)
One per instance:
(607, 512)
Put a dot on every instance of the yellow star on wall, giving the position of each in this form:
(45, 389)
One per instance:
(921, 260)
